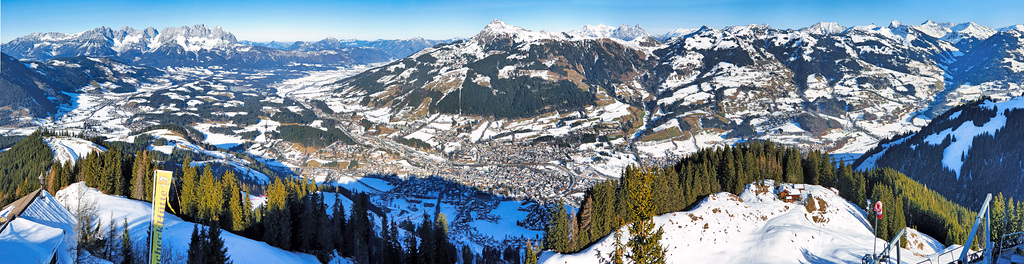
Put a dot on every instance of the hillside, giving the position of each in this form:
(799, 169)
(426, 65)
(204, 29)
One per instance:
(822, 87)
(49, 88)
(964, 153)
(758, 227)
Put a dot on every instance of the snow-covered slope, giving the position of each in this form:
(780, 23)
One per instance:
(964, 153)
(71, 149)
(756, 227)
(176, 231)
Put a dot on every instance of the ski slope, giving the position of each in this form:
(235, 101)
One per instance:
(756, 227)
(71, 149)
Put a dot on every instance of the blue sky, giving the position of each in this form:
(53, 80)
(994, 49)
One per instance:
(261, 20)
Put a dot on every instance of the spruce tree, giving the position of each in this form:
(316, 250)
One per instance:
(196, 246)
(645, 242)
(140, 170)
(339, 221)
(215, 248)
(126, 244)
(277, 221)
(529, 257)
(558, 229)
(210, 196)
(235, 215)
(189, 189)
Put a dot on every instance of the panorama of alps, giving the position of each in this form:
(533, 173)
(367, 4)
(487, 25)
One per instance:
(601, 144)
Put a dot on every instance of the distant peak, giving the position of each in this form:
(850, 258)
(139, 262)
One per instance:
(825, 28)
(498, 27)
(496, 23)
(895, 24)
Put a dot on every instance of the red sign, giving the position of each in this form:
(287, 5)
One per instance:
(878, 209)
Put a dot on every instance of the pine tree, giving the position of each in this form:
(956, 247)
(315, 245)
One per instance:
(211, 196)
(558, 230)
(585, 219)
(277, 222)
(997, 214)
(234, 214)
(618, 249)
(811, 167)
(645, 242)
(529, 257)
(412, 252)
(339, 221)
(126, 244)
(794, 169)
(140, 170)
(189, 189)
(215, 248)
(196, 246)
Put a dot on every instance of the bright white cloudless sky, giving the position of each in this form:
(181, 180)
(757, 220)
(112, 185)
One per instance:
(261, 20)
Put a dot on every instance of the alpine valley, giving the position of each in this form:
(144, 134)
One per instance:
(482, 149)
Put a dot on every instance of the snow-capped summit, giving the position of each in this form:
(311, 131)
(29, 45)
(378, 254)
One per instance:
(598, 31)
(498, 29)
(623, 32)
(1018, 27)
(675, 33)
(826, 28)
(195, 38)
(895, 24)
(627, 33)
(933, 29)
(968, 31)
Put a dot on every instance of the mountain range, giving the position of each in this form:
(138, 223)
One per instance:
(835, 86)
(200, 45)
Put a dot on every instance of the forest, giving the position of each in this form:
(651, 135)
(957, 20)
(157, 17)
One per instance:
(313, 137)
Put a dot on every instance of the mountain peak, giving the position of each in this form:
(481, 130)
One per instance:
(628, 33)
(499, 29)
(825, 28)
(623, 32)
(895, 24)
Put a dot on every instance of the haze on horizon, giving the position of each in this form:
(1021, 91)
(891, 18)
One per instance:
(264, 20)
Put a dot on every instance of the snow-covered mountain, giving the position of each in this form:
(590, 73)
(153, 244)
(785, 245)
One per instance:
(623, 32)
(508, 71)
(964, 153)
(197, 45)
(395, 48)
(825, 28)
(757, 227)
(826, 86)
(107, 42)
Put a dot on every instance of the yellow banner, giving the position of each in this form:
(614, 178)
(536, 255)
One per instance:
(161, 185)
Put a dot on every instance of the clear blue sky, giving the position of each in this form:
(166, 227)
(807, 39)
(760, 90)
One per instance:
(261, 20)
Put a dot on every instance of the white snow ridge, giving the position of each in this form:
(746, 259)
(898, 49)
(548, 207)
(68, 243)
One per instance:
(756, 227)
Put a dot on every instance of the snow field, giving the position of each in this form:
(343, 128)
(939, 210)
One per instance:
(756, 227)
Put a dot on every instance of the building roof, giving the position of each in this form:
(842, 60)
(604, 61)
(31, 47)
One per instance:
(36, 229)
